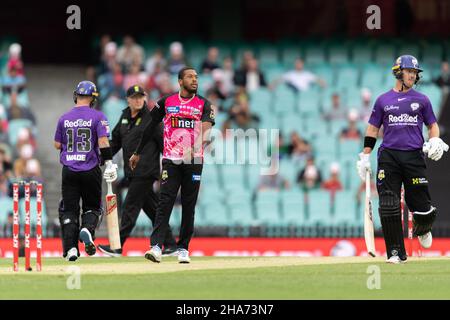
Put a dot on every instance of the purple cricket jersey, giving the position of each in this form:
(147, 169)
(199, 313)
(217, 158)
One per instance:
(402, 115)
(78, 131)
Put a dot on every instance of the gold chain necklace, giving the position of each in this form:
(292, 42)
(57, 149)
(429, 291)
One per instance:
(184, 102)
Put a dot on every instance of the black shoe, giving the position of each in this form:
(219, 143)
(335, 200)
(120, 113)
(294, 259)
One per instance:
(110, 252)
(89, 245)
(167, 252)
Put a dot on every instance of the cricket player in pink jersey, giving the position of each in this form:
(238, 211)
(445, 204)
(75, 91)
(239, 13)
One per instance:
(187, 119)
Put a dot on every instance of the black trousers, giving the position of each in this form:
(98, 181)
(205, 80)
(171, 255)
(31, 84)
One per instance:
(408, 167)
(87, 187)
(141, 196)
(174, 176)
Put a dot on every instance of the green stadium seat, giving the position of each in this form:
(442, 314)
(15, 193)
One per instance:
(268, 56)
(216, 214)
(289, 54)
(385, 54)
(112, 109)
(289, 170)
(362, 53)
(325, 145)
(338, 54)
(346, 77)
(6, 205)
(326, 72)
(432, 53)
(344, 212)
(347, 149)
(232, 176)
(293, 207)
(253, 176)
(267, 207)
(318, 207)
(242, 214)
(372, 76)
(314, 55)
(285, 103)
(309, 103)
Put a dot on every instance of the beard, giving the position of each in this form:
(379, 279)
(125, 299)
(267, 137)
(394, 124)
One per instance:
(191, 90)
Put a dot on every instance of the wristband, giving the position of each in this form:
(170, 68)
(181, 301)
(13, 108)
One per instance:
(369, 142)
(106, 153)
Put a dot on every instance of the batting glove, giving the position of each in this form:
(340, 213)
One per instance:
(110, 174)
(363, 165)
(435, 148)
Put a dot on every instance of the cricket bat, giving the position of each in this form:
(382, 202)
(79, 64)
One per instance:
(112, 219)
(368, 219)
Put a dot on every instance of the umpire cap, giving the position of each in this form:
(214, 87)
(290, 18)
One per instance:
(135, 90)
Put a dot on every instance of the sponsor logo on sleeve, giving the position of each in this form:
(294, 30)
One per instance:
(173, 109)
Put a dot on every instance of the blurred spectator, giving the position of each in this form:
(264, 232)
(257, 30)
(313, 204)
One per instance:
(24, 137)
(240, 116)
(366, 108)
(218, 86)
(176, 61)
(20, 164)
(16, 111)
(91, 74)
(333, 184)
(228, 75)
(155, 63)
(250, 78)
(272, 182)
(15, 60)
(310, 176)
(109, 58)
(5, 164)
(443, 80)
(280, 147)
(299, 149)
(351, 132)
(300, 79)
(111, 83)
(13, 81)
(130, 54)
(134, 77)
(4, 185)
(99, 51)
(210, 63)
(337, 111)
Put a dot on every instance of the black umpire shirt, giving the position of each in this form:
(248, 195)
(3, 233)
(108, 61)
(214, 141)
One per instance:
(126, 135)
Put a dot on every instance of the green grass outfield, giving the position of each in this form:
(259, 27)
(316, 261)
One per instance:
(229, 278)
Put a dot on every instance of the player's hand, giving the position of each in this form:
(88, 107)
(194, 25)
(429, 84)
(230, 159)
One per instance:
(110, 174)
(435, 148)
(363, 165)
(134, 161)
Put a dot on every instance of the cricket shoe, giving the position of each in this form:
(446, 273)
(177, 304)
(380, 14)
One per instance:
(72, 254)
(426, 240)
(395, 260)
(183, 256)
(154, 254)
(110, 252)
(86, 238)
(169, 252)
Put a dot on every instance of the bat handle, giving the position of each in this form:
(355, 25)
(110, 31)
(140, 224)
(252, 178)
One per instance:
(109, 184)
